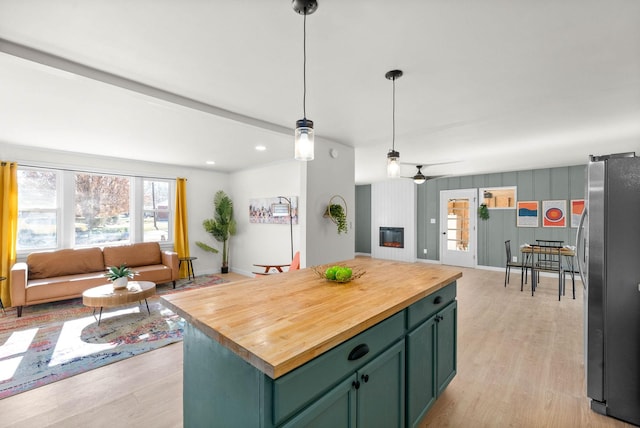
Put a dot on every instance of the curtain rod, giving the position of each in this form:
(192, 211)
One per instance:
(92, 172)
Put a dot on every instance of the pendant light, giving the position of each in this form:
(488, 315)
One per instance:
(304, 127)
(393, 157)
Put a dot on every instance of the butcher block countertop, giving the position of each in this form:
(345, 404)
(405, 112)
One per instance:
(281, 321)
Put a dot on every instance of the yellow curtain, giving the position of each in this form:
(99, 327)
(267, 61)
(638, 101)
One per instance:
(181, 230)
(8, 225)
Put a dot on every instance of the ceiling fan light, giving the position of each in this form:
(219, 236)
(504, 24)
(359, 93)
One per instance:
(393, 164)
(419, 178)
(304, 140)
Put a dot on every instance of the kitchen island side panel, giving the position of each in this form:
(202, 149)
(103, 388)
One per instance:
(221, 389)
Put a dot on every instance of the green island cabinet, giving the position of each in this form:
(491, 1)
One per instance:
(386, 376)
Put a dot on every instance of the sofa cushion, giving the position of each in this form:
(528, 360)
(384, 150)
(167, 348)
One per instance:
(49, 264)
(142, 254)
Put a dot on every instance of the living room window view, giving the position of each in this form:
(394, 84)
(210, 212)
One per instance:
(104, 209)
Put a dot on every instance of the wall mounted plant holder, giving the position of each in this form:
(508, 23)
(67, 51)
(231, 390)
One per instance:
(337, 212)
(483, 212)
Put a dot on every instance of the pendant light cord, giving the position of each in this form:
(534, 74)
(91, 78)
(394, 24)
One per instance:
(304, 66)
(393, 121)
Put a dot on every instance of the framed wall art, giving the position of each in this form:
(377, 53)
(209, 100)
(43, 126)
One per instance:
(554, 213)
(527, 214)
(577, 208)
(273, 210)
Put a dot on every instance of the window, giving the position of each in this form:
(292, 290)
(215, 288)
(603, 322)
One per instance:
(37, 209)
(102, 209)
(156, 210)
(498, 197)
(66, 209)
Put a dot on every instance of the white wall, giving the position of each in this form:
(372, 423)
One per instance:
(264, 243)
(201, 187)
(393, 204)
(313, 182)
(326, 177)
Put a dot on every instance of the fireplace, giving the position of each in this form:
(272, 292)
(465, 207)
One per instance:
(392, 237)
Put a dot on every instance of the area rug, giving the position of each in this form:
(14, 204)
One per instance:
(53, 341)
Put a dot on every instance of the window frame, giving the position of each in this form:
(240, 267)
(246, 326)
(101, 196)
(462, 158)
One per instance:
(65, 217)
(483, 190)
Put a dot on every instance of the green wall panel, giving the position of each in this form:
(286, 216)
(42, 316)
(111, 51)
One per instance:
(564, 183)
(363, 219)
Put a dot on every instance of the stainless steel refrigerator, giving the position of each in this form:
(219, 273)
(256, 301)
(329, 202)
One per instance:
(608, 244)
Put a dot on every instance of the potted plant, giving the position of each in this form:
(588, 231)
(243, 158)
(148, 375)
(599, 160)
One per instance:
(221, 227)
(483, 212)
(120, 275)
(339, 217)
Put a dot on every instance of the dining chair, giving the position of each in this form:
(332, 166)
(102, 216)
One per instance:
(570, 270)
(295, 263)
(510, 263)
(549, 243)
(547, 259)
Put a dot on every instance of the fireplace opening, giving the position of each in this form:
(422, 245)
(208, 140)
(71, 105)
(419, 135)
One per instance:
(392, 237)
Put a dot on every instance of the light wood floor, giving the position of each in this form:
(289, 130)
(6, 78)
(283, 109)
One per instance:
(519, 365)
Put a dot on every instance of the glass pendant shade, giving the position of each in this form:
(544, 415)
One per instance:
(304, 140)
(393, 164)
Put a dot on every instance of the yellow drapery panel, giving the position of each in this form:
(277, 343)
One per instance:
(181, 229)
(8, 225)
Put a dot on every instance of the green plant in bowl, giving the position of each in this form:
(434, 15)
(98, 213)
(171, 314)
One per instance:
(122, 271)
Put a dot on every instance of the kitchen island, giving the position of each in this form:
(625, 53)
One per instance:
(293, 349)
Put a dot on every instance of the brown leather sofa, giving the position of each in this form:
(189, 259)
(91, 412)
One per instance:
(65, 274)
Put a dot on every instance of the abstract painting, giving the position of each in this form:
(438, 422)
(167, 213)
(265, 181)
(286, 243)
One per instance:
(527, 214)
(577, 208)
(554, 213)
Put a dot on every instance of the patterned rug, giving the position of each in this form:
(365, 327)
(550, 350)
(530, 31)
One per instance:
(53, 341)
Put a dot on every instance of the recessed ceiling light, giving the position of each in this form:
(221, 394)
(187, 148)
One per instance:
(261, 148)
(210, 163)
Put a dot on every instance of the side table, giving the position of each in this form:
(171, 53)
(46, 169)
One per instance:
(189, 262)
(2, 278)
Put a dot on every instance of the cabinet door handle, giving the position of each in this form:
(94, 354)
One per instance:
(358, 352)
(365, 378)
(437, 300)
(355, 384)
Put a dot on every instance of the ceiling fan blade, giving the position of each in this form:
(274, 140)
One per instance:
(424, 165)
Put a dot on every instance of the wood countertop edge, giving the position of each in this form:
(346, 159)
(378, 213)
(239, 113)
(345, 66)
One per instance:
(280, 368)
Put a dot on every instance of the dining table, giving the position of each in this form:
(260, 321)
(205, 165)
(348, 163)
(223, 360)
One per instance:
(565, 252)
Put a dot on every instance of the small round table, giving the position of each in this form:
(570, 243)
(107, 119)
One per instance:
(105, 296)
(189, 261)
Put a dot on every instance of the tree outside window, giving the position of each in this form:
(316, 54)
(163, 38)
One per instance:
(37, 210)
(156, 210)
(101, 209)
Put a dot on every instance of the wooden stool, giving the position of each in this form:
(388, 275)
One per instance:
(189, 261)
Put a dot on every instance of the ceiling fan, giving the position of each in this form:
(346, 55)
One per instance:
(419, 177)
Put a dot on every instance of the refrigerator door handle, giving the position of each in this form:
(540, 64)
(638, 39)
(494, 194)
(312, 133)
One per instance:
(580, 257)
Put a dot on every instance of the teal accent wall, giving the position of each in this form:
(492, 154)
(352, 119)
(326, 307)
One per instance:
(532, 185)
(363, 219)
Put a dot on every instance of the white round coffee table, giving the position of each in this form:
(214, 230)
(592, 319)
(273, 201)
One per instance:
(104, 296)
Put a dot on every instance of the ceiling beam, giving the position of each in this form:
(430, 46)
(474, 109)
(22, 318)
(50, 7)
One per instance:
(47, 59)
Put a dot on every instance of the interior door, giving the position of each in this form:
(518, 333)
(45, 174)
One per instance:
(458, 218)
